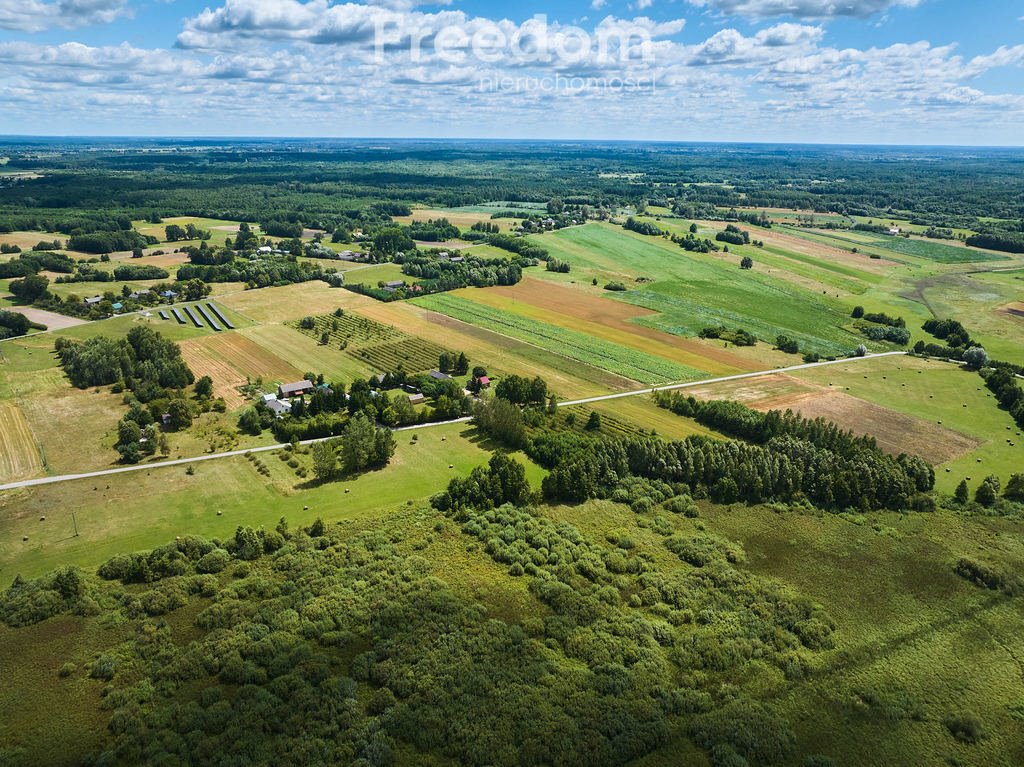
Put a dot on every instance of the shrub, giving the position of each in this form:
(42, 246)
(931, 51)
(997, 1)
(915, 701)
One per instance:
(213, 562)
(965, 727)
(682, 504)
(748, 728)
(104, 667)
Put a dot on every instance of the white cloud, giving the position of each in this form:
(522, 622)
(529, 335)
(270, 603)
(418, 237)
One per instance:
(804, 9)
(243, 57)
(37, 15)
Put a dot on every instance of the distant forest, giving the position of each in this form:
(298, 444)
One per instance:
(331, 182)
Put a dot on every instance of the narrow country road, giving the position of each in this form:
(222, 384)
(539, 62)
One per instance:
(267, 448)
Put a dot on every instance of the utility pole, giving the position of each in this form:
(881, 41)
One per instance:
(75, 521)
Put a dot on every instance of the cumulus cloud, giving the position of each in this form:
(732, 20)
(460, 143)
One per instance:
(242, 55)
(37, 15)
(803, 9)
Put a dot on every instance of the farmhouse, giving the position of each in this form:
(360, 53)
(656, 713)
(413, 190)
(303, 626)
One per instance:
(265, 249)
(168, 294)
(296, 389)
(139, 294)
(457, 259)
(895, 230)
(279, 408)
(437, 375)
(484, 382)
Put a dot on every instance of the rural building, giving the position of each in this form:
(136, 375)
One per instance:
(395, 284)
(279, 408)
(265, 249)
(416, 398)
(139, 294)
(437, 375)
(296, 389)
(92, 301)
(485, 382)
(457, 259)
(895, 230)
(168, 294)
(117, 307)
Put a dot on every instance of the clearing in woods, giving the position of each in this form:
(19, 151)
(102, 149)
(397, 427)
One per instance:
(19, 456)
(231, 359)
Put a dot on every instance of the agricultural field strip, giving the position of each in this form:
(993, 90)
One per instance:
(385, 347)
(567, 403)
(610, 356)
(930, 251)
(689, 293)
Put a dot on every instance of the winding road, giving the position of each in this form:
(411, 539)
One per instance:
(267, 448)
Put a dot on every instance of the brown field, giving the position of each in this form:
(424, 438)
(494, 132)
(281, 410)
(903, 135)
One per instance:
(825, 252)
(761, 392)
(75, 427)
(229, 358)
(25, 240)
(1015, 309)
(460, 219)
(895, 432)
(19, 455)
(608, 319)
(52, 320)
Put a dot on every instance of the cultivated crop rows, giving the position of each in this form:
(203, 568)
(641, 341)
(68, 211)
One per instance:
(606, 355)
(383, 346)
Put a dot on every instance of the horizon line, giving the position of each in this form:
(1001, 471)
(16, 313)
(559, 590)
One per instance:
(480, 139)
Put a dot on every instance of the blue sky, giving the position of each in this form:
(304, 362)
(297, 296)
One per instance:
(827, 71)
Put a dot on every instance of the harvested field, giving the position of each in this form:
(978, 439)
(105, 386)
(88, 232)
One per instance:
(895, 432)
(825, 252)
(460, 218)
(25, 240)
(292, 302)
(306, 354)
(52, 320)
(755, 392)
(19, 455)
(1016, 309)
(229, 358)
(74, 427)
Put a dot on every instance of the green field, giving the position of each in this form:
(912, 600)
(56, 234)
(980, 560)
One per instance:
(110, 521)
(937, 392)
(691, 292)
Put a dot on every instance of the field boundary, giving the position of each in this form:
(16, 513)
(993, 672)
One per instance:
(467, 419)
